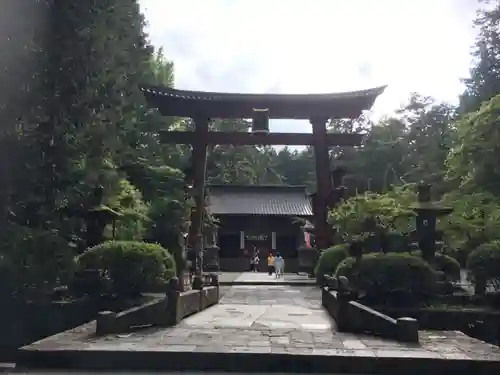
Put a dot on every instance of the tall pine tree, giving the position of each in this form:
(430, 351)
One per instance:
(484, 82)
(95, 57)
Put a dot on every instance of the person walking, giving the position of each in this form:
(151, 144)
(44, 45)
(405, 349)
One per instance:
(279, 264)
(270, 264)
(255, 262)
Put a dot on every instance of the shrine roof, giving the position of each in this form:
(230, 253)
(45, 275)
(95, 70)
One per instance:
(275, 200)
(185, 103)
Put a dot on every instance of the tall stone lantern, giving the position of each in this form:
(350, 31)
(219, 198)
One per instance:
(427, 213)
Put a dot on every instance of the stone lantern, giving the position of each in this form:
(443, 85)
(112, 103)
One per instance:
(97, 216)
(211, 253)
(427, 214)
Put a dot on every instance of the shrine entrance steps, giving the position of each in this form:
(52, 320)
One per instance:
(261, 328)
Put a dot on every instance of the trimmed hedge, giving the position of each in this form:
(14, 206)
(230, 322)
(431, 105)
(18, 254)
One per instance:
(130, 266)
(329, 260)
(444, 263)
(484, 262)
(380, 277)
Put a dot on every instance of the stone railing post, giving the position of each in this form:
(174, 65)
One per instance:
(106, 323)
(198, 285)
(407, 329)
(172, 297)
(215, 282)
(198, 282)
(345, 321)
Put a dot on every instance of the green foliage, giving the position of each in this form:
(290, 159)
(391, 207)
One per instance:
(484, 80)
(484, 262)
(330, 259)
(161, 69)
(34, 261)
(379, 275)
(389, 212)
(132, 224)
(475, 220)
(131, 266)
(168, 210)
(444, 263)
(473, 162)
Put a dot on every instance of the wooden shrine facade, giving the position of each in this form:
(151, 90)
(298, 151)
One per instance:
(317, 108)
(263, 218)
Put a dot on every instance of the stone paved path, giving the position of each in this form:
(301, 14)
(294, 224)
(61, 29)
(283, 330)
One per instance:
(264, 316)
(268, 319)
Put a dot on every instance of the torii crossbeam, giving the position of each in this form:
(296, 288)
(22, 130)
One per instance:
(317, 108)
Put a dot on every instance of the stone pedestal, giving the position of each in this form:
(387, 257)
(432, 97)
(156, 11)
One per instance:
(185, 282)
(407, 329)
(308, 257)
(211, 258)
(105, 323)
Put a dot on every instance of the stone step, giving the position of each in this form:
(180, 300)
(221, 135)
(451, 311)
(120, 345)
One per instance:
(245, 359)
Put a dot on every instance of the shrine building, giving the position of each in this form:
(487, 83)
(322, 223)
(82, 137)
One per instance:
(265, 217)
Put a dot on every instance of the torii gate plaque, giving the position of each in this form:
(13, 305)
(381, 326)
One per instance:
(317, 108)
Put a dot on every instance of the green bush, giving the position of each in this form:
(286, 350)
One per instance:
(130, 266)
(34, 261)
(329, 260)
(484, 262)
(383, 276)
(444, 263)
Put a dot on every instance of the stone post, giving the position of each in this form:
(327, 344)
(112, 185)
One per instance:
(106, 323)
(198, 282)
(215, 282)
(407, 329)
(172, 296)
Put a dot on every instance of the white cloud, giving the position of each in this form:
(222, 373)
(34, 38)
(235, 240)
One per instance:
(299, 46)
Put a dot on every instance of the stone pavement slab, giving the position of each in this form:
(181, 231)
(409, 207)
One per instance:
(260, 328)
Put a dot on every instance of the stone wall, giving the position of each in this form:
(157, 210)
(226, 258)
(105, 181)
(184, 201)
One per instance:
(22, 323)
(483, 324)
(354, 317)
(165, 311)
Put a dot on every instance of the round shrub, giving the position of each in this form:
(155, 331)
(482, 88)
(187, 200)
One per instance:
(329, 260)
(444, 263)
(130, 266)
(382, 277)
(484, 262)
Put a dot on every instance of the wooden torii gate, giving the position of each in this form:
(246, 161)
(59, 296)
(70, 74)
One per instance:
(201, 107)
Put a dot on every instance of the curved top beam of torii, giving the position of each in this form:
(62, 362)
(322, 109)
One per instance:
(185, 103)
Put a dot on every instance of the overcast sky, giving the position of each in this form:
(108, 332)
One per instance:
(316, 46)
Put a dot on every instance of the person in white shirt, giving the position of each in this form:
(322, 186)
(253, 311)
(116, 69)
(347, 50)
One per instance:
(280, 265)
